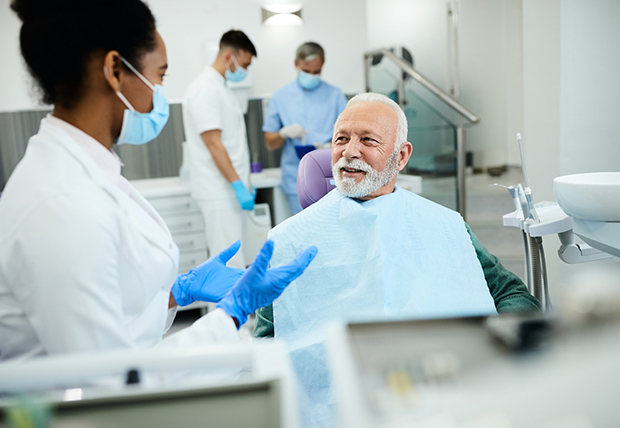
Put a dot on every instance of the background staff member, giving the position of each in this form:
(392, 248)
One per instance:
(86, 263)
(308, 106)
(218, 147)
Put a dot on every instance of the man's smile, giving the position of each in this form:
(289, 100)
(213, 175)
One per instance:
(351, 172)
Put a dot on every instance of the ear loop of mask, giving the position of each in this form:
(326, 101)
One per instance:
(234, 58)
(137, 73)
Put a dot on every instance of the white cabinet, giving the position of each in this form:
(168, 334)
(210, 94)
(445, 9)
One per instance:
(171, 199)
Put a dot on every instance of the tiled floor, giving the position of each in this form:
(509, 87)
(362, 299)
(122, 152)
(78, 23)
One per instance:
(485, 208)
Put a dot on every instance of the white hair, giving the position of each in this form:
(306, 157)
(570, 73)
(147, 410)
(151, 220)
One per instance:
(372, 97)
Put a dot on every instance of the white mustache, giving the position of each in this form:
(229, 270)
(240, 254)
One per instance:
(355, 164)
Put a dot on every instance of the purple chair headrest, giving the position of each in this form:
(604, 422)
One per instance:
(314, 177)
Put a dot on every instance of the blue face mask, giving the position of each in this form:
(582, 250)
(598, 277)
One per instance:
(238, 75)
(309, 81)
(140, 128)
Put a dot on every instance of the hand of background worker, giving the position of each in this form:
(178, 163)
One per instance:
(208, 282)
(245, 198)
(259, 287)
(293, 131)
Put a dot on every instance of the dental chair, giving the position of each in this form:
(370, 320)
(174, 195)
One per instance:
(314, 177)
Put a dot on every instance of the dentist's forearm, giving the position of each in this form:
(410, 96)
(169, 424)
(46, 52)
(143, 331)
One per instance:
(273, 140)
(213, 141)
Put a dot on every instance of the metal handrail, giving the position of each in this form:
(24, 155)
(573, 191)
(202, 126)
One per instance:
(434, 89)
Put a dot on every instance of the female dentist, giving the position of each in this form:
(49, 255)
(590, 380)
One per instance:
(85, 262)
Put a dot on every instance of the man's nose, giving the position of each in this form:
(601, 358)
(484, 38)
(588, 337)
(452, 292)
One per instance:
(352, 150)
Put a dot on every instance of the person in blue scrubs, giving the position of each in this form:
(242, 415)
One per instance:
(307, 107)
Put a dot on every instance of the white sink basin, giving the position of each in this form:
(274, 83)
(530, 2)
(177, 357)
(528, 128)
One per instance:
(594, 196)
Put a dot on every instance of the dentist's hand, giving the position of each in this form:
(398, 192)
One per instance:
(259, 287)
(208, 282)
(245, 198)
(293, 131)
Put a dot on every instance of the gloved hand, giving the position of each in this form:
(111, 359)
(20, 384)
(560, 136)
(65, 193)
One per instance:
(208, 282)
(245, 198)
(293, 131)
(259, 287)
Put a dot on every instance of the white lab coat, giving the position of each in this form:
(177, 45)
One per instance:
(83, 266)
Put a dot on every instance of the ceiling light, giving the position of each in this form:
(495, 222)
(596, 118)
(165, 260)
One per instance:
(282, 14)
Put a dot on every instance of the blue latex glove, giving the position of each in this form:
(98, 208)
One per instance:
(245, 198)
(259, 287)
(208, 282)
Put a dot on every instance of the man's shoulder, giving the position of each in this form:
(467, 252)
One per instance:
(331, 88)
(285, 91)
(203, 85)
(330, 92)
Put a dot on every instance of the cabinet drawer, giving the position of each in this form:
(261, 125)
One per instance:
(192, 242)
(174, 205)
(190, 260)
(185, 223)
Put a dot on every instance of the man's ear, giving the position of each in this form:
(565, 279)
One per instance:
(227, 55)
(404, 154)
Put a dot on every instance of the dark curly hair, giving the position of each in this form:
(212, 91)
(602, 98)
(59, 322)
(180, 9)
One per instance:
(58, 38)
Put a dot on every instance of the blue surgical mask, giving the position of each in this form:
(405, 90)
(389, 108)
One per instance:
(238, 75)
(140, 128)
(309, 81)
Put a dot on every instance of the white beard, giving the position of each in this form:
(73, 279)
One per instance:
(372, 181)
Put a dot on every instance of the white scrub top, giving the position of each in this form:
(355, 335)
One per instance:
(209, 105)
(86, 263)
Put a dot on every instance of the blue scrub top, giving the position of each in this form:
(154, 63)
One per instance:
(316, 110)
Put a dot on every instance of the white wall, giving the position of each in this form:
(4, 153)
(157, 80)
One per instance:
(490, 61)
(15, 85)
(492, 77)
(187, 24)
(589, 108)
(483, 81)
(570, 103)
(513, 72)
(340, 27)
(590, 86)
(419, 25)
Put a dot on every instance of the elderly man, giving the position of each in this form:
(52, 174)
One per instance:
(384, 252)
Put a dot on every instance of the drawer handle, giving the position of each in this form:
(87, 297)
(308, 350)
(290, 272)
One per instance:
(178, 207)
(187, 245)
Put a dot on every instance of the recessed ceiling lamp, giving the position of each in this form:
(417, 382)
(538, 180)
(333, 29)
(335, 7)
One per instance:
(278, 15)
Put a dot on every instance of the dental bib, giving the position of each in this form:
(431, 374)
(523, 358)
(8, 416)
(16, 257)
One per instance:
(398, 256)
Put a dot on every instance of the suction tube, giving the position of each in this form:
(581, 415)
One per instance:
(541, 251)
(537, 289)
(528, 263)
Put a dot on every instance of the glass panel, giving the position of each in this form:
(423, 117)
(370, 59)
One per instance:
(432, 131)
